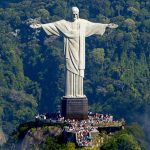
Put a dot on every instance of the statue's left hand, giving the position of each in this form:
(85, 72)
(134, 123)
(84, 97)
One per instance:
(35, 26)
(112, 25)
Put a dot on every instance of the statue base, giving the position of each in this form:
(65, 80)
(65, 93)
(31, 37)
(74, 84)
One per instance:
(74, 108)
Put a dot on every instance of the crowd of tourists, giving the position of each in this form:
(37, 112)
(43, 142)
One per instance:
(93, 119)
(81, 129)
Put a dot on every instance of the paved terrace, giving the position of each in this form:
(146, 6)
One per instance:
(82, 132)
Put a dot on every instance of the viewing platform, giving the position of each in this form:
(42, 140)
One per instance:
(84, 132)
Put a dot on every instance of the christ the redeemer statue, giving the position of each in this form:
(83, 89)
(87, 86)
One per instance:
(74, 33)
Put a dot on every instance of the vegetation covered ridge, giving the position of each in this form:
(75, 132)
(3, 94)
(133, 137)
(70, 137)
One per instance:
(32, 65)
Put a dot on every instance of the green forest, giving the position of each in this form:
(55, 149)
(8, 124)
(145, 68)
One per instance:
(32, 64)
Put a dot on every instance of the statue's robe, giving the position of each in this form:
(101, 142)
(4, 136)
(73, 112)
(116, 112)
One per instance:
(74, 49)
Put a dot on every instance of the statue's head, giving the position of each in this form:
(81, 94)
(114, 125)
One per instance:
(75, 13)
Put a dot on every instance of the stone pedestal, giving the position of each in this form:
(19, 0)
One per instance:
(74, 108)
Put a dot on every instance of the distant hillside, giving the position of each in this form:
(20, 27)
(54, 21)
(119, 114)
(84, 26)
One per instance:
(32, 68)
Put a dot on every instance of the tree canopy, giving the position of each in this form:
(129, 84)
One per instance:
(32, 64)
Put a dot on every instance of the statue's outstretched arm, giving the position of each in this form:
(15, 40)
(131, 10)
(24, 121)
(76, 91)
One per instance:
(49, 28)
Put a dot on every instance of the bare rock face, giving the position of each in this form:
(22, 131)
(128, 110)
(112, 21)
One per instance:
(2, 137)
(39, 135)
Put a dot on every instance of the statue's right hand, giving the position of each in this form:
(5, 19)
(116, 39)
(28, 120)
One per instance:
(35, 26)
(112, 25)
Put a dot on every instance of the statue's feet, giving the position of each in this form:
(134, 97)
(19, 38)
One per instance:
(75, 96)
(69, 96)
(80, 96)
